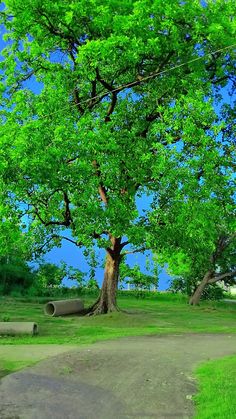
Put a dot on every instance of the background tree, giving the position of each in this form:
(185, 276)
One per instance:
(50, 275)
(92, 261)
(15, 249)
(188, 284)
(102, 128)
(200, 232)
(136, 278)
(222, 265)
(15, 275)
(92, 284)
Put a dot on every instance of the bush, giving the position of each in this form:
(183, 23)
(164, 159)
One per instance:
(15, 276)
(213, 292)
(187, 286)
(53, 292)
(138, 293)
(16, 292)
(184, 285)
(92, 292)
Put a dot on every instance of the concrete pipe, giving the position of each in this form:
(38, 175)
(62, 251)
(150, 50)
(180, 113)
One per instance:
(18, 328)
(59, 308)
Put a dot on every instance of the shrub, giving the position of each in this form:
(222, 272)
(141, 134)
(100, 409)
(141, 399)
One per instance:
(213, 292)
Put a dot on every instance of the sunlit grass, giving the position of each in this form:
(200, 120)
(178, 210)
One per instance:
(164, 314)
(7, 367)
(217, 389)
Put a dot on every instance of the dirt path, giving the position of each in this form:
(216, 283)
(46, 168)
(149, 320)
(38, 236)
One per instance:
(138, 377)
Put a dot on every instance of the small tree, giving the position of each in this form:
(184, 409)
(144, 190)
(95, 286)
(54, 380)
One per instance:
(138, 279)
(15, 248)
(92, 284)
(15, 275)
(49, 275)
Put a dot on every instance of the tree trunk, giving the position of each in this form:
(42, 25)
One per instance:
(195, 298)
(106, 302)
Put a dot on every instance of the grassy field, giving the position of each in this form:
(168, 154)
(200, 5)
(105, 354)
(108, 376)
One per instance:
(217, 389)
(164, 314)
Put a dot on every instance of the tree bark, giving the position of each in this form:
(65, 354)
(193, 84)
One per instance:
(195, 298)
(106, 302)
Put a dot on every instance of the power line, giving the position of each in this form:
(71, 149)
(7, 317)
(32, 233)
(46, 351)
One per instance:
(137, 82)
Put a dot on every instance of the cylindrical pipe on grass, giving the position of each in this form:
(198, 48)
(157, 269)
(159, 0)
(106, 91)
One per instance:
(59, 308)
(18, 328)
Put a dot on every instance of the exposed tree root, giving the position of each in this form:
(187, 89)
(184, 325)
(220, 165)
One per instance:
(101, 307)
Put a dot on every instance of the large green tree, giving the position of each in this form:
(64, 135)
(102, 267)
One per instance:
(123, 85)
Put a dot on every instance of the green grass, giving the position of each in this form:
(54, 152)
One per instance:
(7, 367)
(164, 314)
(217, 389)
(13, 358)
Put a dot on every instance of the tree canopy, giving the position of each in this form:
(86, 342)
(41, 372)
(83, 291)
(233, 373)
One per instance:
(199, 239)
(122, 98)
(199, 235)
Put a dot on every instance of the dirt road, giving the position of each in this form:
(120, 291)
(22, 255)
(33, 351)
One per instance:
(137, 377)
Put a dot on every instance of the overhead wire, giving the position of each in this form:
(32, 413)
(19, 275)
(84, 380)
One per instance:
(138, 82)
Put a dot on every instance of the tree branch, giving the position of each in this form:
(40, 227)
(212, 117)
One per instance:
(124, 244)
(115, 90)
(103, 82)
(101, 188)
(221, 276)
(111, 107)
(67, 214)
(57, 236)
(130, 252)
(70, 240)
(222, 243)
(55, 31)
(114, 95)
(77, 101)
(40, 249)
